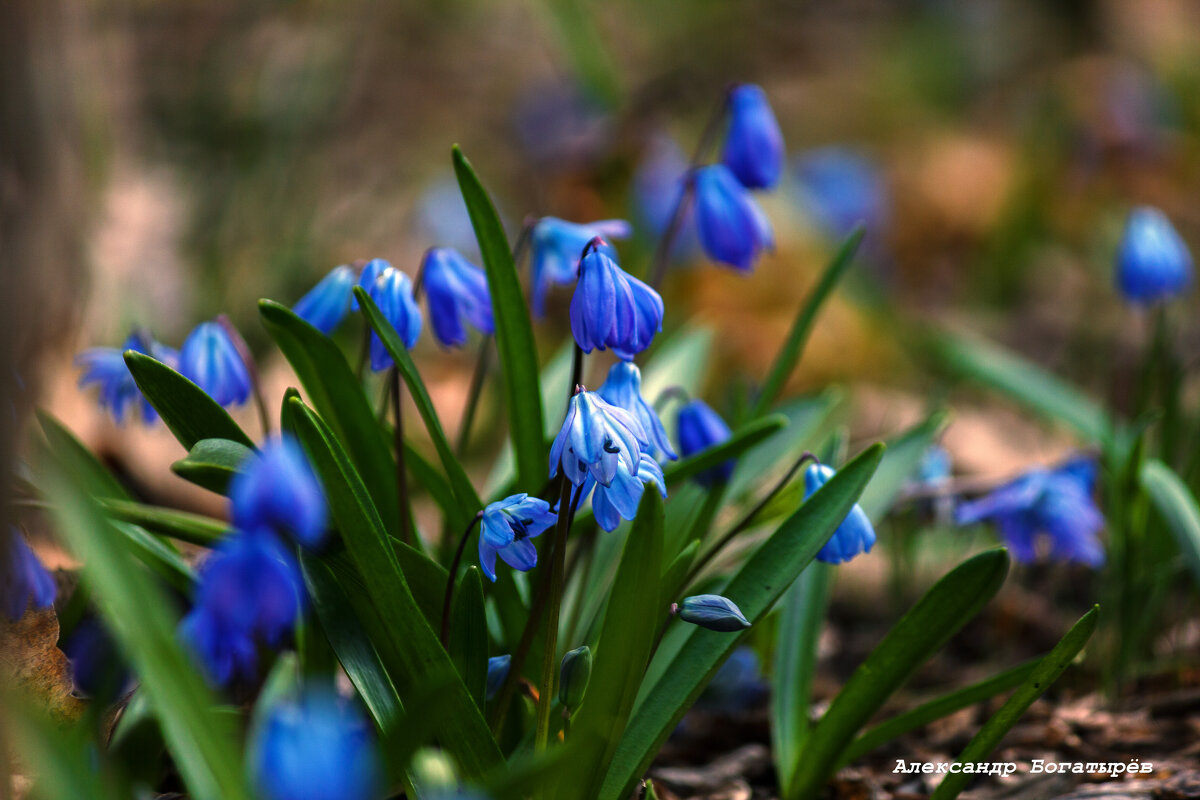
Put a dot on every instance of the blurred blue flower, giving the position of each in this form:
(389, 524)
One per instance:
(557, 246)
(1153, 262)
(96, 664)
(368, 278)
(658, 184)
(839, 188)
(26, 581)
(612, 309)
(210, 359)
(315, 747)
(458, 294)
(596, 439)
(738, 684)
(275, 489)
(327, 303)
(392, 291)
(699, 429)
(935, 465)
(714, 612)
(561, 123)
(1055, 503)
(506, 529)
(623, 388)
(855, 535)
(619, 500)
(497, 671)
(753, 144)
(733, 229)
(442, 216)
(105, 368)
(226, 653)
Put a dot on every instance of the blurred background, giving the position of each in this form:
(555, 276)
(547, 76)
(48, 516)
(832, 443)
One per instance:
(174, 161)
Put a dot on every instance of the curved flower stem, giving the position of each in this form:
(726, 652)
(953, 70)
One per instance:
(576, 374)
(449, 596)
(401, 471)
(243, 349)
(550, 650)
(477, 378)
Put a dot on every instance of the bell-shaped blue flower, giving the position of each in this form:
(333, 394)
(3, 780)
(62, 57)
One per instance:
(612, 310)
(25, 581)
(754, 144)
(596, 439)
(1153, 262)
(714, 612)
(839, 188)
(733, 229)
(557, 246)
(497, 671)
(105, 368)
(458, 295)
(699, 429)
(275, 489)
(619, 500)
(1052, 504)
(371, 271)
(327, 303)
(623, 388)
(97, 668)
(506, 529)
(392, 291)
(315, 747)
(226, 653)
(855, 535)
(210, 359)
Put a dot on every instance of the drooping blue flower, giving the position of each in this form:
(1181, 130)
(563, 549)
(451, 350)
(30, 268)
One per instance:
(855, 535)
(368, 277)
(1055, 504)
(506, 529)
(226, 653)
(96, 664)
(497, 671)
(623, 388)
(557, 246)
(619, 500)
(839, 188)
(26, 581)
(317, 746)
(754, 144)
(1153, 262)
(392, 291)
(714, 612)
(733, 229)
(327, 303)
(105, 368)
(275, 489)
(210, 359)
(611, 309)
(596, 439)
(699, 429)
(458, 294)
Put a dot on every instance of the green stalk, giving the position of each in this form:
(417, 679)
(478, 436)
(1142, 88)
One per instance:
(550, 650)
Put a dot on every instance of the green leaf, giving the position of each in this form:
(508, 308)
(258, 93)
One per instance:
(793, 346)
(186, 527)
(633, 616)
(189, 413)
(943, 611)
(60, 760)
(469, 635)
(514, 332)
(681, 668)
(808, 419)
(1177, 506)
(96, 476)
(742, 440)
(336, 394)
(211, 463)
(160, 557)
(426, 580)
(1024, 382)
(1046, 673)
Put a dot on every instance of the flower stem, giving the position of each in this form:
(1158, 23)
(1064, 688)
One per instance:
(449, 596)
(576, 374)
(243, 349)
(401, 471)
(477, 378)
(550, 649)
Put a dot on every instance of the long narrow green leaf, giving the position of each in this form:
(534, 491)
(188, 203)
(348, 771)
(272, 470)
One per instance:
(1046, 673)
(514, 331)
(468, 634)
(189, 413)
(680, 672)
(160, 557)
(742, 440)
(212, 463)
(900, 465)
(64, 443)
(943, 611)
(1177, 506)
(186, 527)
(793, 346)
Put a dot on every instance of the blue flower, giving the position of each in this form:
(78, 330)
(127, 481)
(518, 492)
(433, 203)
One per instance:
(497, 671)
(623, 388)
(275, 489)
(506, 529)
(105, 367)
(557, 248)
(840, 188)
(619, 500)
(699, 429)
(855, 535)
(96, 664)
(733, 229)
(327, 303)
(714, 612)
(458, 294)
(754, 144)
(1054, 503)
(597, 439)
(210, 359)
(26, 581)
(658, 185)
(315, 747)
(1153, 262)
(611, 309)
(367, 278)
(226, 653)
(935, 466)
(392, 291)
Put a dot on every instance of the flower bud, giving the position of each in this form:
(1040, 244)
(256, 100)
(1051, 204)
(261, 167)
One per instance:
(733, 229)
(497, 671)
(699, 429)
(1153, 262)
(573, 676)
(754, 144)
(714, 612)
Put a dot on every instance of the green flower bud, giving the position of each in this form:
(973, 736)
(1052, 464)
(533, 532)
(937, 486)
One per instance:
(573, 676)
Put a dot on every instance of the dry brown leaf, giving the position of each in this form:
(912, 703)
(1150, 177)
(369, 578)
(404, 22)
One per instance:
(31, 661)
